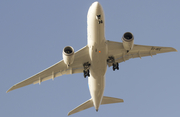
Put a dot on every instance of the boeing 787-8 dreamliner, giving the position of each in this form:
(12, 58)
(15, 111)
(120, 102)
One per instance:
(93, 59)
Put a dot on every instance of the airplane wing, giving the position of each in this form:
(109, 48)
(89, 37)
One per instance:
(58, 69)
(116, 50)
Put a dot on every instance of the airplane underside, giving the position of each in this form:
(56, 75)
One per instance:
(92, 60)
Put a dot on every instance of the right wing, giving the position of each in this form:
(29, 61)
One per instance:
(57, 69)
(116, 50)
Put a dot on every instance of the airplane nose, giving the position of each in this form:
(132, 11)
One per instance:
(97, 5)
(95, 8)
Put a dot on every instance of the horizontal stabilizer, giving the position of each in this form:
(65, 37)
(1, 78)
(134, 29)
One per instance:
(110, 100)
(89, 103)
(83, 106)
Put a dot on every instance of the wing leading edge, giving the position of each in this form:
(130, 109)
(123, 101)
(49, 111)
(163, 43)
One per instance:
(57, 69)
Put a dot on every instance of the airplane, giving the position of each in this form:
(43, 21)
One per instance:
(93, 59)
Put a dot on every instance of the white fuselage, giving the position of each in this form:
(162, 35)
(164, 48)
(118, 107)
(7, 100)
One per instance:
(97, 52)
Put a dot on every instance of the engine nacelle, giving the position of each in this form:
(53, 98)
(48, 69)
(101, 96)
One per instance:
(68, 55)
(128, 41)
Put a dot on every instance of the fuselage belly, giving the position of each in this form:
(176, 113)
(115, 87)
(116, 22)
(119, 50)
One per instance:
(97, 53)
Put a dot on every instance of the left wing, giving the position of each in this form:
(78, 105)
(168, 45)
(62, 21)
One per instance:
(57, 69)
(116, 50)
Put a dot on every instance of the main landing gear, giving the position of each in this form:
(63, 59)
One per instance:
(86, 73)
(86, 69)
(114, 64)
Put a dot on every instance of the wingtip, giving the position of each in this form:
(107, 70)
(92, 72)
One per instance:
(174, 49)
(69, 113)
(8, 91)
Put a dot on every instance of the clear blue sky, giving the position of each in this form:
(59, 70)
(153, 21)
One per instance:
(34, 32)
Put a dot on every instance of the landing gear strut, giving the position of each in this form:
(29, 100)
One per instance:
(86, 69)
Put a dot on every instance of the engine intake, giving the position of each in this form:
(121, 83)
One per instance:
(128, 41)
(68, 55)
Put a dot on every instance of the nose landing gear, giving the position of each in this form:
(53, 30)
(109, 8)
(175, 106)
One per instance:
(98, 17)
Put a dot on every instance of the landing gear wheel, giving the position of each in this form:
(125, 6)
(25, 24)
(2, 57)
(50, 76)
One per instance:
(113, 69)
(115, 66)
(84, 73)
(88, 73)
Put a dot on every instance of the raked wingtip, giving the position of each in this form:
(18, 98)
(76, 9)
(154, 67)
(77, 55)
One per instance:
(7, 91)
(174, 49)
(69, 114)
(10, 89)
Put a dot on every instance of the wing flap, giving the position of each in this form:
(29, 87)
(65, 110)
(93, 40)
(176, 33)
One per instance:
(136, 54)
(60, 73)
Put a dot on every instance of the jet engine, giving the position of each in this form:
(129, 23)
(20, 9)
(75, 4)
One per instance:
(68, 55)
(128, 41)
